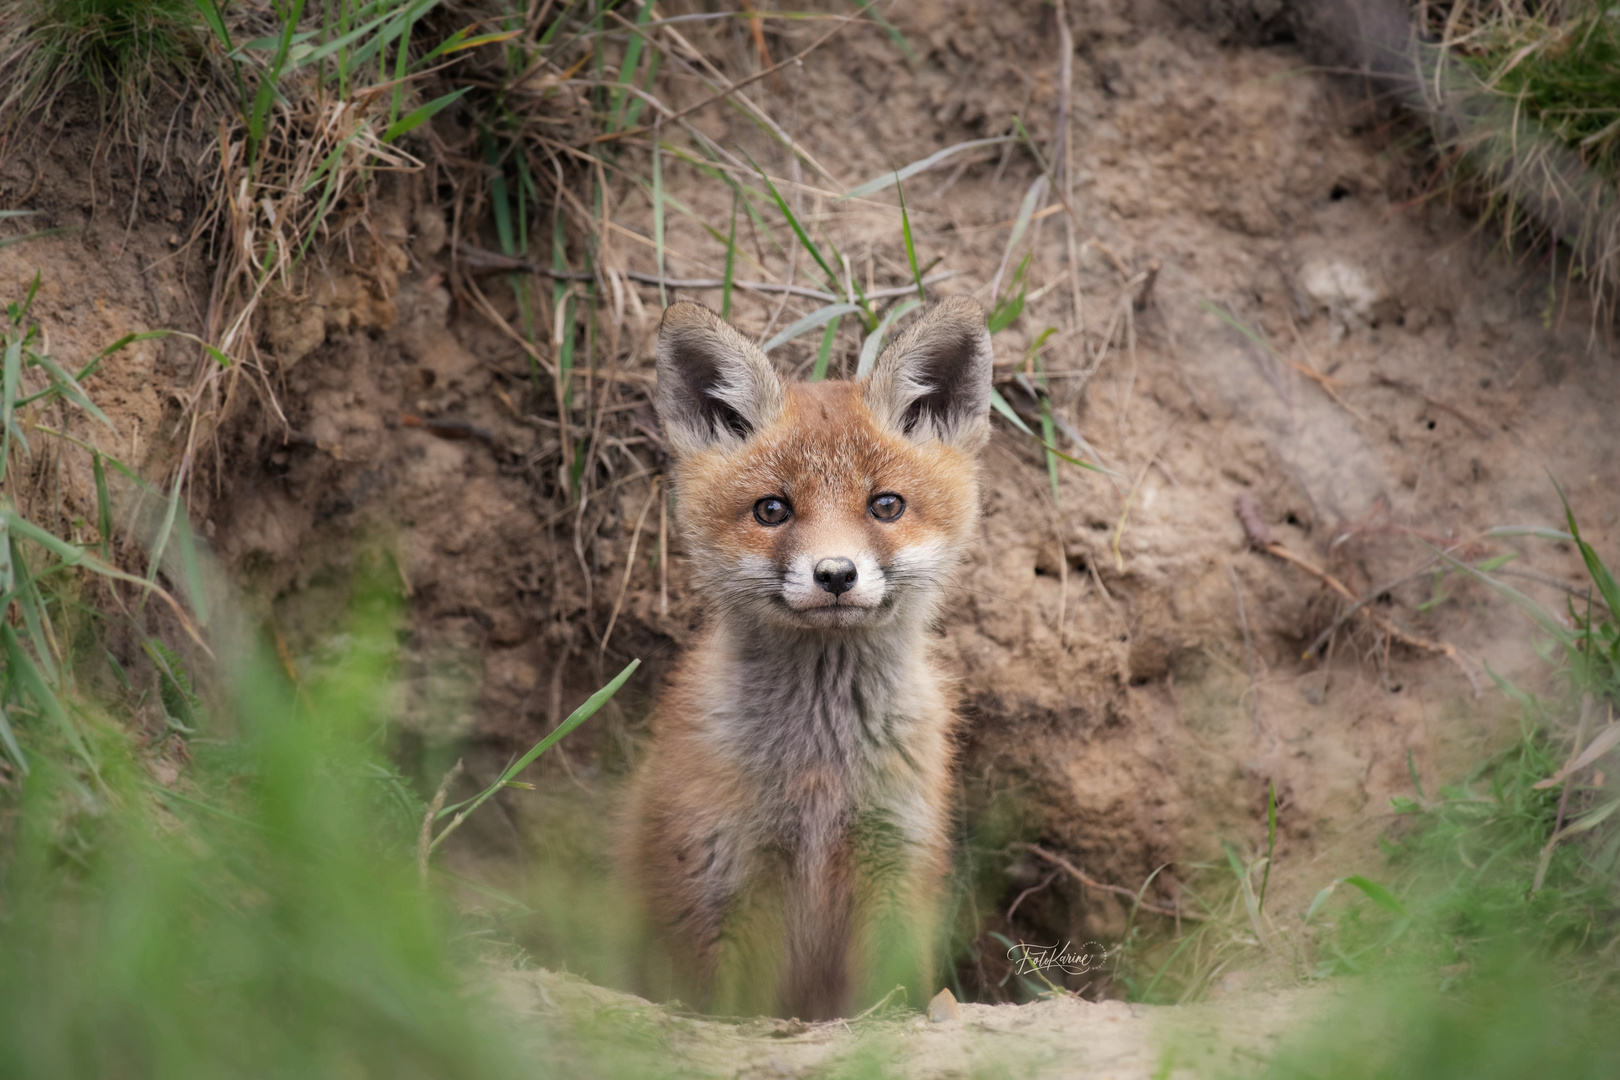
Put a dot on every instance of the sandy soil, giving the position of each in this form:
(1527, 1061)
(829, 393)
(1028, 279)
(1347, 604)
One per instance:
(1108, 1040)
(1130, 665)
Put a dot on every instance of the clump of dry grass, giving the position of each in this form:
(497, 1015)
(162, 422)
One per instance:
(1527, 97)
(319, 99)
(118, 48)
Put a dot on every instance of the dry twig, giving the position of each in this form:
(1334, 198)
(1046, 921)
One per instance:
(1482, 429)
(1118, 890)
(424, 839)
(1446, 649)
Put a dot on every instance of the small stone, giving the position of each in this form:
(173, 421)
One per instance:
(943, 1007)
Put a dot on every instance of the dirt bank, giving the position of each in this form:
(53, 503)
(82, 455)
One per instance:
(1260, 298)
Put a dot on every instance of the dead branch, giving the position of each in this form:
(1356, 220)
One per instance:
(424, 839)
(1118, 890)
(1378, 621)
(1482, 429)
(493, 262)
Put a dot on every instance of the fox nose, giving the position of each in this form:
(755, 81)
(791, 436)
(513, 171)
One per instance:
(835, 575)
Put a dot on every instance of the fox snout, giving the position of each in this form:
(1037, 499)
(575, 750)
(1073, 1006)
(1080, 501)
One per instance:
(837, 575)
(837, 584)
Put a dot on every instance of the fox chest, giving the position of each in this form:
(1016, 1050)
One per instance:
(839, 714)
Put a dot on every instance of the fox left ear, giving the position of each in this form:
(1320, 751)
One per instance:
(934, 381)
(715, 389)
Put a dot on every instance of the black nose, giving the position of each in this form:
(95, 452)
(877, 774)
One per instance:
(835, 575)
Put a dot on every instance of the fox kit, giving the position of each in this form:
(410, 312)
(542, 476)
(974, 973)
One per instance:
(787, 831)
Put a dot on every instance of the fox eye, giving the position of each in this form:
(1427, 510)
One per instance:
(887, 506)
(772, 510)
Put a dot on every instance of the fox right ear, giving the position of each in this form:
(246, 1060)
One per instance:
(934, 381)
(715, 389)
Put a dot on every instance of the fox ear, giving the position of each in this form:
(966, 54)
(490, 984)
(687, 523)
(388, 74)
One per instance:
(715, 389)
(934, 381)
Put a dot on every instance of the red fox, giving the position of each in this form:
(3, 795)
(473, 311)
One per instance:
(787, 831)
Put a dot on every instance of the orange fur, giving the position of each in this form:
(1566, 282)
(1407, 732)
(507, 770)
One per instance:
(787, 831)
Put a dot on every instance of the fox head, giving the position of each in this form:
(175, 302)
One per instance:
(827, 506)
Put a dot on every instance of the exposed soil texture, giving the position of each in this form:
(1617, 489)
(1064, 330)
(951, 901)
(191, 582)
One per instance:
(1130, 664)
(1108, 1040)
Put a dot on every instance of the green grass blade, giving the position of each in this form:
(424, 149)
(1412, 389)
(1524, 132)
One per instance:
(191, 569)
(731, 259)
(129, 339)
(375, 45)
(70, 388)
(999, 403)
(29, 677)
(1026, 210)
(28, 301)
(1035, 151)
(817, 318)
(1378, 895)
(460, 42)
(627, 68)
(343, 41)
(1591, 819)
(20, 526)
(673, 203)
(160, 543)
(1012, 305)
(824, 353)
(9, 740)
(267, 93)
(73, 555)
(575, 718)
(870, 9)
(32, 605)
(9, 383)
(1049, 438)
(325, 173)
(402, 56)
(874, 340)
(748, 193)
(632, 111)
(1539, 532)
(911, 248)
(422, 114)
(1321, 897)
(1538, 614)
(1601, 577)
(798, 231)
(104, 523)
